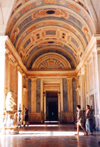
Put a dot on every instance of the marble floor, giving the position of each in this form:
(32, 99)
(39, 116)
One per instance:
(50, 135)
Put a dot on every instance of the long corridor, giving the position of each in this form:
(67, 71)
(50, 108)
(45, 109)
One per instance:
(49, 135)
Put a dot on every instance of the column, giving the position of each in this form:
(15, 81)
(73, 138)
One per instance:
(44, 97)
(33, 95)
(27, 91)
(15, 84)
(70, 98)
(33, 98)
(42, 114)
(8, 72)
(61, 112)
(82, 84)
(59, 105)
(2, 75)
(77, 93)
(98, 75)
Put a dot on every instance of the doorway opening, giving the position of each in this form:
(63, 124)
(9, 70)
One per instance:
(51, 106)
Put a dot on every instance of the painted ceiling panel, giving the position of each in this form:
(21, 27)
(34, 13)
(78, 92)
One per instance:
(63, 26)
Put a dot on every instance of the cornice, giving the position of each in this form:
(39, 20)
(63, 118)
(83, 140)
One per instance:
(52, 73)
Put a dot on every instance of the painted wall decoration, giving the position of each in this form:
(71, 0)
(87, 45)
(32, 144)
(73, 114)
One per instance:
(29, 95)
(65, 101)
(51, 64)
(39, 2)
(51, 61)
(38, 95)
(74, 94)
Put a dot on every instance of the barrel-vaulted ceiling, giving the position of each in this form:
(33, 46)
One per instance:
(50, 34)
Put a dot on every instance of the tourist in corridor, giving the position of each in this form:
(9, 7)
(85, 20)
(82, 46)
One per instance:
(89, 120)
(80, 120)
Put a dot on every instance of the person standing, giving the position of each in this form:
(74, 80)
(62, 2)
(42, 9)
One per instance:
(89, 120)
(26, 117)
(80, 121)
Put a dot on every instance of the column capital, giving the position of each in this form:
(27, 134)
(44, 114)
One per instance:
(33, 79)
(69, 78)
(16, 64)
(18, 68)
(23, 74)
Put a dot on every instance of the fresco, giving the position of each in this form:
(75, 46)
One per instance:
(30, 22)
(51, 51)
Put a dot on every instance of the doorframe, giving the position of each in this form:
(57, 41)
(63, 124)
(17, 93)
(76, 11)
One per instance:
(59, 104)
(46, 86)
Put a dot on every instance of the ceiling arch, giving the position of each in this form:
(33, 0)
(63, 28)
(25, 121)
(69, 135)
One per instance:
(52, 24)
(56, 49)
(51, 61)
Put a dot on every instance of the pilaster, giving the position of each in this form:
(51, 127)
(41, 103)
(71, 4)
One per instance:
(70, 98)
(44, 97)
(42, 103)
(33, 95)
(59, 105)
(82, 85)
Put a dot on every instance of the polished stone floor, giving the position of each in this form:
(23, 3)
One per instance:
(50, 135)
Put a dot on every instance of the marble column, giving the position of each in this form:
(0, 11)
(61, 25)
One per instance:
(70, 98)
(33, 98)
(42, 103)
(2, 75)
(61, 112)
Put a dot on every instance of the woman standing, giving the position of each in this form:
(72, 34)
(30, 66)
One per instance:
(89, 120)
